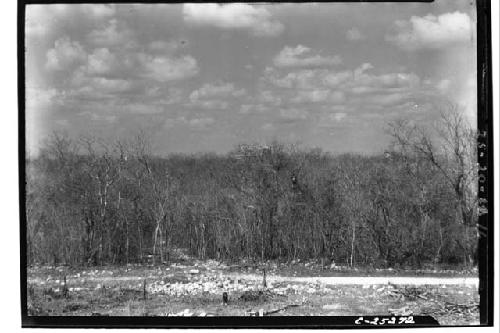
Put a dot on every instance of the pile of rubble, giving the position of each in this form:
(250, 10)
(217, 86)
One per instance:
(203, 286)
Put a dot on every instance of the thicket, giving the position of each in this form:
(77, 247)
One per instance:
(93, 202)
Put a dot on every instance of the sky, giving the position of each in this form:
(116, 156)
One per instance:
(206, 77)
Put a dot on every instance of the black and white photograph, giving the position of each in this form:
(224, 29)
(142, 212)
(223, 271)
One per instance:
(322, 162)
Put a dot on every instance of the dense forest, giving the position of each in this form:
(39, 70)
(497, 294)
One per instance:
(95, 202)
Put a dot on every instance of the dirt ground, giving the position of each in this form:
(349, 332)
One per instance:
(195, 289)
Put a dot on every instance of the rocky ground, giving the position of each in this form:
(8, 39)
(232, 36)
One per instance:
(195, 288)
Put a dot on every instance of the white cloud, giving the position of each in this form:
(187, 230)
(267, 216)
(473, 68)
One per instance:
(366, 82)
(164, 69)
(137, 64)
(87, 85)
(358, 80)
(336, 79)
(201, 123)
(294, 114)
(97, 88)
(385, 99)
(255, 19)
(311, 96)
(101, 61)
(358, 87)
(354, 34)
(211, 104)
(98, 117)
(37, 99)
(140, 108)
(443, 85)
(318, 96)
(194, 123)
(99, 10)
(433, 32)
(214, 96)
(267, 96)
(35, 27)
(330, 120)
(62, 122)
(65, 54)
(363, 68)
(301, 56)
(114, 33)
(245, 108)
(253, 108)
(110, 85)
(42, 19)
(216, 90)
(268, 127)
(299, 79)
(338, 116)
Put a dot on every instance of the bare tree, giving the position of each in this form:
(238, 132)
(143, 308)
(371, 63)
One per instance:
(449, 146)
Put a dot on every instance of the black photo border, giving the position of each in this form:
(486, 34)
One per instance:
(485, 194)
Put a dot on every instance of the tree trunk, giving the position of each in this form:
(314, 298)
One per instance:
(353, 239)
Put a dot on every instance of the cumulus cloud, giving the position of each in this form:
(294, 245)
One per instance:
(41, 19)
(256, 19)
(329, 120)
(35, 27)
(301, 56)
(164, 69)
(131, 81)
(101, 61)
(336, 79)
(113, 33)
(367, 82)
(37, 99)
(443, 85)
(354, 34)
(95, 88)
(98, 117)
(140, 108)
(432, 32)
(99, 10)
(211, 104)
(387, 99)
(311, 96)
(253, 108)
(267, 96)
(138, 64)
(194, 123)
(101, 84)
(201, 123)
(338, 116)
(215, 96)
(319, 96)
(220, 90)
(298, 79)
(268, 127)
(65, 54)
(354, 89)
(358, 80)
(293, 114)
